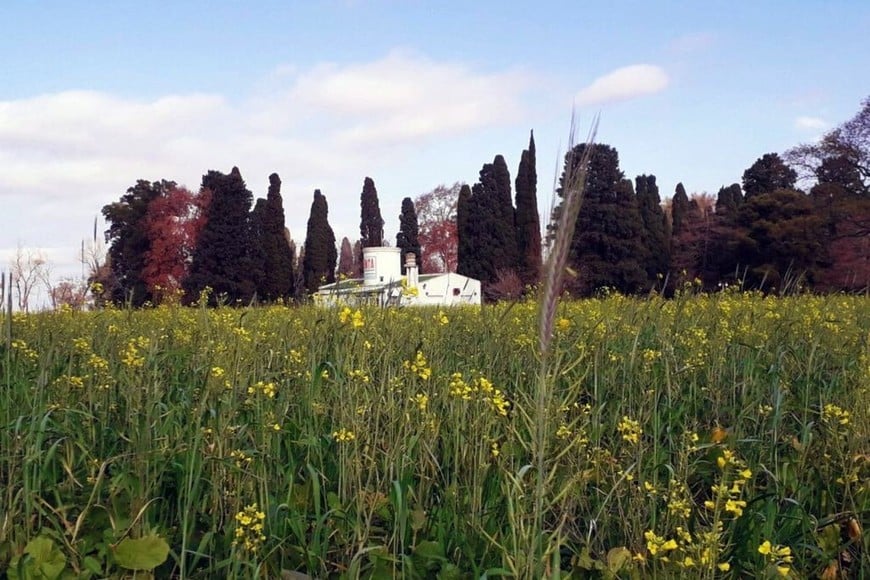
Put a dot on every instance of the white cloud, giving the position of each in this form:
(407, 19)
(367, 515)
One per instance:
(810, 124)
(65, 155)
(624, 83)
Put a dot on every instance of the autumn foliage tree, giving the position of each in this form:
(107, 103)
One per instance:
(173, 222)
(436, 219)
(129, 241)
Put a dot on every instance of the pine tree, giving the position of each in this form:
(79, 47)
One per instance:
(407, 238)
(528, 221)
(320, 252)
(275, 254)
(655, 238)
(223, 257)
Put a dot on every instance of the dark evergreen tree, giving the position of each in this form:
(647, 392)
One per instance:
(655, 238)
(728, 201)
(679, 208)
(320, 252)
(223, 259)
(606, 248)
(784, 238)
(407, 239)
(466, 240)
(129, 242)
(490, 236)
(273, 253)
(768, 174)
(527, 218)
(259, 229)
(371, 227)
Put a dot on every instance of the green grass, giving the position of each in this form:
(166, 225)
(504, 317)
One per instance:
(367, 461)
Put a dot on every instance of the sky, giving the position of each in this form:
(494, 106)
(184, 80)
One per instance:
(412, 93)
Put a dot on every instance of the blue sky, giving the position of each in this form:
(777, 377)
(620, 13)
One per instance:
(94, 96)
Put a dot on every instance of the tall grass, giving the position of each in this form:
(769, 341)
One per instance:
(408, 442)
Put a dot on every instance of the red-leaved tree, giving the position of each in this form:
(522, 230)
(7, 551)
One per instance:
(436, 220)
(173, 224)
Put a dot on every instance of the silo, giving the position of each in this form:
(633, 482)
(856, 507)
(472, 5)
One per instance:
(381, 265)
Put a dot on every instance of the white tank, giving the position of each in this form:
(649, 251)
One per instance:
(381, 265)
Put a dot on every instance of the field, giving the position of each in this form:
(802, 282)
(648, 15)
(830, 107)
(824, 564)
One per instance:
(706, 436)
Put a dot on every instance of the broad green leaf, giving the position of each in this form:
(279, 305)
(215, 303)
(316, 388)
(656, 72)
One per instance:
(428, 550)
(143, 554)
(617, 558)
(46, 561)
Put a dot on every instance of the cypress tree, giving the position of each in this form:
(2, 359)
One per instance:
(274, 252)
(371, 227)
(728, 201)
(679, 209)
(407, 238)
(528, 221)
(488, 242)
(320, 253)
(464, 233)
(259, 229)
(606, 249)
(223, 256)
(655, 238)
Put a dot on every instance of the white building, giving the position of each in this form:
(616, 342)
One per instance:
(382, 284)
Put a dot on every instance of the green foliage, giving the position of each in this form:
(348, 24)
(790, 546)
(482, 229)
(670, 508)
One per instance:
(528, 221)
(224, 257)
(42, 560)
(320, 256)
(679, 209)
(607, 248)
(371, 227)
(654, 236)
(487, 232)
(145, 553)
(399, 442)
(783, 235)
(271, 246)
(407, 239)
(128, 241)
(768, 174)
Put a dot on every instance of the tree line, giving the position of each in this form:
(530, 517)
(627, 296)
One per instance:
(167, 242)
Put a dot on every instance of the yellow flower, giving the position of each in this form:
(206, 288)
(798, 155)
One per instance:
(629, 429)
(782, 571)
(343, 435)
(723, 566)
(765, 548)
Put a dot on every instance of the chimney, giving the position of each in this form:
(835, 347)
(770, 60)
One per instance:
(411, 269)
